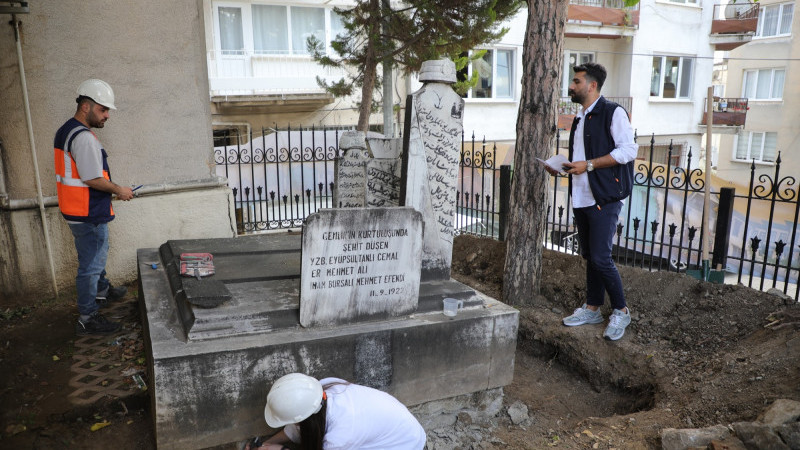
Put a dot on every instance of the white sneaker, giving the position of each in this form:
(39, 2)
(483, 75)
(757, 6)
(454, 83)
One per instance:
(581, 316)
(617, 323)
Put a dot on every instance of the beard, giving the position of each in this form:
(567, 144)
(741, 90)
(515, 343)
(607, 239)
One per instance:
(94, 122)
(576, 97)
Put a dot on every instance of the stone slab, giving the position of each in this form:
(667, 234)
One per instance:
(359, 264)
(266, 269)
(211, 390)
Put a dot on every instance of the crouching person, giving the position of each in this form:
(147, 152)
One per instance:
(334, 414)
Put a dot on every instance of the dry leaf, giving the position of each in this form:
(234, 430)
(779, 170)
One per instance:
(100, 425)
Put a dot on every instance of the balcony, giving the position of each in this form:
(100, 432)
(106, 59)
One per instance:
(733, 25)
(254, 80)
(567, 109)
(601, 19)
(727, 111)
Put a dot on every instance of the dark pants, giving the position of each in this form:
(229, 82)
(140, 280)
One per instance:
(596, 229)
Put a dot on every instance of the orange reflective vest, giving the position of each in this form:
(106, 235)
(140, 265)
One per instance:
(76, 200)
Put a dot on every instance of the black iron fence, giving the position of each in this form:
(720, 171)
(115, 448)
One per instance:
(753, 227)
(281, 177)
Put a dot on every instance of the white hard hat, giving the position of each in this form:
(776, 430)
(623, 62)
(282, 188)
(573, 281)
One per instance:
(99, 91)
(292, 399)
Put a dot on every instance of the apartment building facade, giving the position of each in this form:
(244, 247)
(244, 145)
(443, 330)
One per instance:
(261, 75)
(659, 56)
(763, 72)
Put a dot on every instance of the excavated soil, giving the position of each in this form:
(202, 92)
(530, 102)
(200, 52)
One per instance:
(696, 354)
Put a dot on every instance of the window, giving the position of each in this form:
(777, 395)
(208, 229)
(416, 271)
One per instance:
(495, 71)
(230, 31)
(273, 29)
(755, 145)
(763, 84)
(688, 2)
(661, 153)
(270, 33)
(572, 59)
(671, 77)
(775, 20)
(306, 22)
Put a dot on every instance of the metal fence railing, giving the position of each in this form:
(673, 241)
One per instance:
(753, 226)
(279, 177)
(282, 176)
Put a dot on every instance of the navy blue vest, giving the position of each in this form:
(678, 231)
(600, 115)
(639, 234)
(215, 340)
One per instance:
(99, 208)
(609, 184)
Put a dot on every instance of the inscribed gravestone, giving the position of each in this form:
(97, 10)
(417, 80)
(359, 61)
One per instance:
(433, 128)
(383, 172)
(351, 171)
(359, 264)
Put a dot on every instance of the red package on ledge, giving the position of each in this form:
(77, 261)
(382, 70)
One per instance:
(197, 264)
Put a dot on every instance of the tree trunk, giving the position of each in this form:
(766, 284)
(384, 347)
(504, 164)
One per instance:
(370, 66)
(536, 132)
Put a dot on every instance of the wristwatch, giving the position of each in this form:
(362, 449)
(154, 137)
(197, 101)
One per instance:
(589, 166)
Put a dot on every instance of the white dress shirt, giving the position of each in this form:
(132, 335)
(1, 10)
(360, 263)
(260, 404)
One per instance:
(625, 151)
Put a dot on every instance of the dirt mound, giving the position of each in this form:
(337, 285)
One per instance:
(696, 353)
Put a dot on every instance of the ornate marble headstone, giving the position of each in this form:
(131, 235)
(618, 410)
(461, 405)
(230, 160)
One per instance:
(433, 128)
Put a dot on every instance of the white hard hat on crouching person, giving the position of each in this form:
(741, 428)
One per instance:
(99, 91)
(292, 399)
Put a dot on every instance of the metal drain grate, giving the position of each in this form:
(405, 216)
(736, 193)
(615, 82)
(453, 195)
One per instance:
(104, 366)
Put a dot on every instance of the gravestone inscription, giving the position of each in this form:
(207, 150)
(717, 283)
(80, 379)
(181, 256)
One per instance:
(434, 124)
(351, 171)
(383, 172)
(360, 264)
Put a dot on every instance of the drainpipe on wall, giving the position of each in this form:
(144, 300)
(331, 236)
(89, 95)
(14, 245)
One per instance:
(40, 199)
(3, 192)
(164, 188)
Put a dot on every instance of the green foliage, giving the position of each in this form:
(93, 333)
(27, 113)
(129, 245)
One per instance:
(16, 313)
(407, 34)
(463, 85)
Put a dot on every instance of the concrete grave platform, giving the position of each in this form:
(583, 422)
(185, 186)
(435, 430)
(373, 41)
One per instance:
(210, 369)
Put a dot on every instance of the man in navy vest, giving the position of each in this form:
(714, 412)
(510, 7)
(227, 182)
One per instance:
(601, 151)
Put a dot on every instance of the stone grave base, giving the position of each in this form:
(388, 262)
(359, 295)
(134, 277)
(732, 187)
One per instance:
(208, 385)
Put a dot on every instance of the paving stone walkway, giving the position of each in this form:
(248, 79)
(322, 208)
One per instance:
(113, 365)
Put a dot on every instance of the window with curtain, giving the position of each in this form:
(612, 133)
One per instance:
(775, 20)
(337, 25)
(306, 22)
(763, 84)
(231, 37)
(274, 28)
(756, 146)
(671, 77)
(270, 33)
